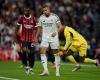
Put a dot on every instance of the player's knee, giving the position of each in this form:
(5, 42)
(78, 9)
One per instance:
(43, 50)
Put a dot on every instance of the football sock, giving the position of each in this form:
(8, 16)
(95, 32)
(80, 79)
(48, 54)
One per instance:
(57, 62)
(88, 60)
(24, 59)
(52, 58)
(31, 59)
(71, 59)
(44, 61)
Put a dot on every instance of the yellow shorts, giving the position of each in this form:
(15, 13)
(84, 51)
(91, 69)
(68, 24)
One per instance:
(82, 49)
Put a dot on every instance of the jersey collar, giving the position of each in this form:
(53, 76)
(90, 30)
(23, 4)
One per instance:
(27, 17)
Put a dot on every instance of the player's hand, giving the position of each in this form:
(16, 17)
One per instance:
(53, 34)
(61, 53)
(62, 48)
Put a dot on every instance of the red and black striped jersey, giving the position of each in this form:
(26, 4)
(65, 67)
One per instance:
(27, 28)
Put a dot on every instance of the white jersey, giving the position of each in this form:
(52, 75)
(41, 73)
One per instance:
(49, 25)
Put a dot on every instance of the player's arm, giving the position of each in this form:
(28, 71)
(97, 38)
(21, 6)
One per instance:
(59, 26)
(68, 40)
(39, 28)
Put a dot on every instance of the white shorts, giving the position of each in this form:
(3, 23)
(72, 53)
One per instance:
(53, 45)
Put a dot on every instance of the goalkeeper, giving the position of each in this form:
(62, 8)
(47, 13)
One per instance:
(76, 43)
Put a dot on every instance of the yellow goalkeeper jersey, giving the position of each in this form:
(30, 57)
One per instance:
(73, 38)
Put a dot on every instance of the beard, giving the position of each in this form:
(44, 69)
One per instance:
(27, 15)
(47, 15)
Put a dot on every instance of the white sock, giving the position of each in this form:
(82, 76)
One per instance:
(44, 61)
(57, 62)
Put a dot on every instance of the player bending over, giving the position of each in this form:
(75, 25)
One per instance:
(75, 42)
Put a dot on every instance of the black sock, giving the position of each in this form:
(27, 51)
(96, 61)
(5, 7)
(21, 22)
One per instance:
(24, 58)
(31, 59)
(52, 58)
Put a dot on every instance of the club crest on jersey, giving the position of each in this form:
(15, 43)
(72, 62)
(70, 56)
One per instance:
(44, 21)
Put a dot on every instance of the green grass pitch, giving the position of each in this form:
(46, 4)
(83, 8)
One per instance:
(12, 71)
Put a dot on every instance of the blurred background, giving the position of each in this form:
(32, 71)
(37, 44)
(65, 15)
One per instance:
(83, 15)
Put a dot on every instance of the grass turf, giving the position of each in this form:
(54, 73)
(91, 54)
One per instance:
(13, 70)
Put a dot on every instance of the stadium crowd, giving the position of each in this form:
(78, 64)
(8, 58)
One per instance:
(83, 15)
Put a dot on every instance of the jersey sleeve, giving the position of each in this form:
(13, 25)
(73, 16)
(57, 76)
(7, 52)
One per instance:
(57, 19)
(68, 39)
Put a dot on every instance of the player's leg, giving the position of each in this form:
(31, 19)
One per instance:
(25, 62)
(31, 56)
(43, 48)
(71, 59)
(25, 56)
(83, 53)
(54, 46)
(51, 57)
(97, 56)
(88, 60)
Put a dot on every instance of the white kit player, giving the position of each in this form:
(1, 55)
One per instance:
(51, 26)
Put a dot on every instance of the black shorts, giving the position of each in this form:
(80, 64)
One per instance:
(29, 45)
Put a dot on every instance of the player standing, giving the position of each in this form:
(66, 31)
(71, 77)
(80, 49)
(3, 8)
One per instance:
(51, 26)
(27, 33)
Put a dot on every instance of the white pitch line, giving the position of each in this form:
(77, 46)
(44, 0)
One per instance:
(6, 78)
